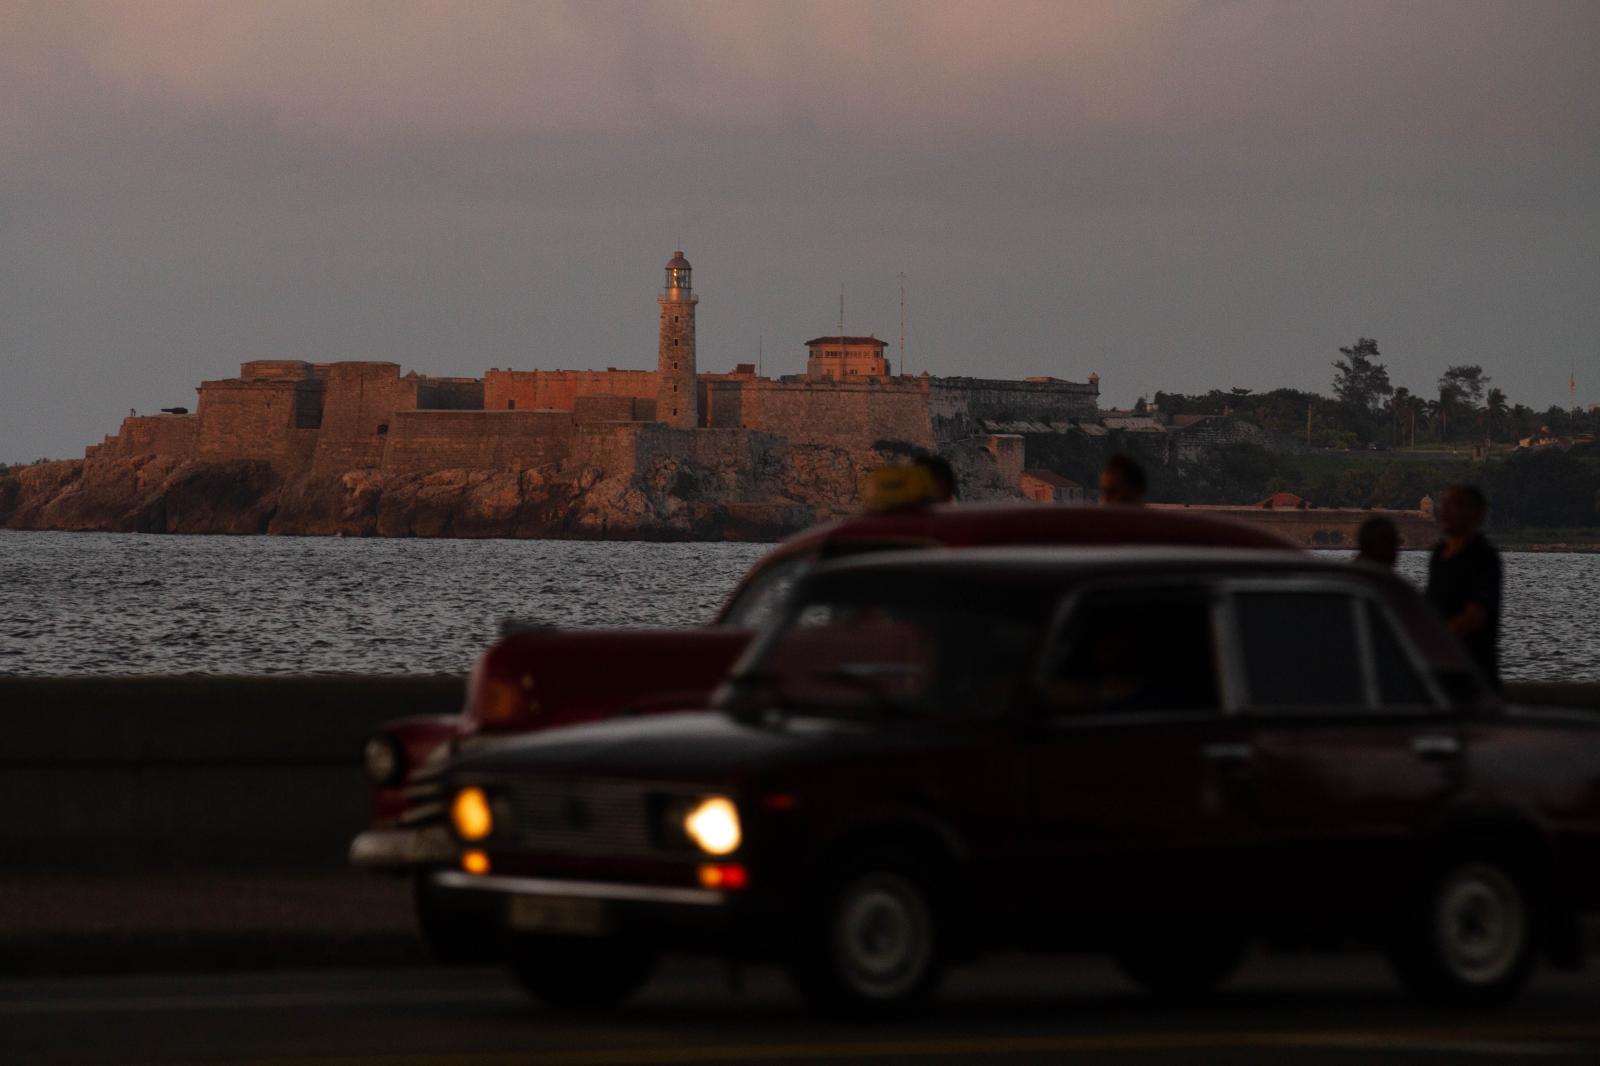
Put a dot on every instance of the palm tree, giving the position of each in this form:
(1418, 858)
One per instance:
(1496, 408)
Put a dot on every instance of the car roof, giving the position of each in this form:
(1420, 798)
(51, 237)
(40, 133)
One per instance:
(1023, 566)
(975, 525)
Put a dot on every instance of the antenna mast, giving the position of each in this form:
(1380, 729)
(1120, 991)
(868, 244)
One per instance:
(1572, 385)
(841, 314)
(902, 323)
(761, 351)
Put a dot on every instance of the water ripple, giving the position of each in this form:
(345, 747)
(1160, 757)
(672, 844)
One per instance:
(90, 603)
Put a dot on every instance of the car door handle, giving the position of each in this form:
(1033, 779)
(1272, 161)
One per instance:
(1436, 746)
(1228, 754)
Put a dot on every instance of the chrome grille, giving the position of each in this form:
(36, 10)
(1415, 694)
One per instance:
(580, 817)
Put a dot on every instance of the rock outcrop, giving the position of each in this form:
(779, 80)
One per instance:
(707, 495)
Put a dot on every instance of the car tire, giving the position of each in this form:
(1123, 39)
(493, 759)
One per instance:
(1182, 964)
(871, 944)
(455, 935)
(1470, 935)
(573, 973)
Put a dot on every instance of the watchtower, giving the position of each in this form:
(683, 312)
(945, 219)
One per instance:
(677, 402)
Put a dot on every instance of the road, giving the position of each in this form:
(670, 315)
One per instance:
(1301, 1010)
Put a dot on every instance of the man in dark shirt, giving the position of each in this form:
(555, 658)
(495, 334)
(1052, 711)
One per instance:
(1122, 481)
(1464, 578)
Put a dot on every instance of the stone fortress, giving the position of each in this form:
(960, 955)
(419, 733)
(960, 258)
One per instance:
(674, 451)
(360, 449)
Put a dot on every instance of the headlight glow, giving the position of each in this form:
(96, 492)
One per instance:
(470, 814)
(713, 824)
(383, 760)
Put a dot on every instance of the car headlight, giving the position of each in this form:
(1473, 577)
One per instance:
(384, 760)
(713, 824)
(470, 814)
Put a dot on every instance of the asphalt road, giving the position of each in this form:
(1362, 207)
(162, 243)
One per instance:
(1278, 1010)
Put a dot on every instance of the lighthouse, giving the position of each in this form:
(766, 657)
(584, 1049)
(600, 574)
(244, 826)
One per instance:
(677, 401)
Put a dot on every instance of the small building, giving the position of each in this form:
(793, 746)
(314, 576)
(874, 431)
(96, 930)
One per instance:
(846, 358)
(1047, 487)
(1284, 501)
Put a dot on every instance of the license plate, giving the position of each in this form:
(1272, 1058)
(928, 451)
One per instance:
(549, 914)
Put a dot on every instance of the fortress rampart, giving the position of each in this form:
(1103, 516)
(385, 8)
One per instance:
(823, 412)
(325, 419)
(426, 441)
(957, 407)
(524, 390)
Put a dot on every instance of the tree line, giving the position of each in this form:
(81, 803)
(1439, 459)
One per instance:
(1367, 409)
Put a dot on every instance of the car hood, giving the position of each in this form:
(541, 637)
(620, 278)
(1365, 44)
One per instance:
(685, 746)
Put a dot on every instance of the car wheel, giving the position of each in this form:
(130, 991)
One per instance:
(872, 943)
(1471, 935)
(579, 973)
(1182, 963)
(455, 934)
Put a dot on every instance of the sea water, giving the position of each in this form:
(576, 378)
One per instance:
(109, 603)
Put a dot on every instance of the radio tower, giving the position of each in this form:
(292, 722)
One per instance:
(902, 323)
(1572, 386)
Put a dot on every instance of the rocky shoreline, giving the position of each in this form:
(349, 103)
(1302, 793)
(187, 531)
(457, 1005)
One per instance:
(245, 497)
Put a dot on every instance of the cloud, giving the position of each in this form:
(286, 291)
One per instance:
(913, 71)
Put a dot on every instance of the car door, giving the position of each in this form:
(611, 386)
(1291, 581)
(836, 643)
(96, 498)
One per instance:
(1349, 751)
(1122, 794)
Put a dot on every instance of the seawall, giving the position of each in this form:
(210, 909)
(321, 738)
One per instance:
(228, 771)
(204, 771)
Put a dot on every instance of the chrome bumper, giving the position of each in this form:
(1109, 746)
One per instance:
(601, 890)
(384, 849)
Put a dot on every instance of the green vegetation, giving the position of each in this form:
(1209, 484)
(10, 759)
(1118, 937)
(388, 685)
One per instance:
(1373, 444)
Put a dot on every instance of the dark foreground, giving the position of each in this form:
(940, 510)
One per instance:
(1301, 1010)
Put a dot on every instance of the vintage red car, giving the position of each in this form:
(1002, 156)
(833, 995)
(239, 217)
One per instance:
(540, 678)
(1163, 754)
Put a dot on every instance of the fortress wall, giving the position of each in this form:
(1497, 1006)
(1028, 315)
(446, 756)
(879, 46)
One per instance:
(956, 405)
(449, 394)
(604, 408)
(174, 435)
(722, 402)
(1010, 456)
(276, 370)
(246, 420)
(423, 441)
(610, 446)
(559, 389)
(360, 401)
(1190, 442)
(826, 412)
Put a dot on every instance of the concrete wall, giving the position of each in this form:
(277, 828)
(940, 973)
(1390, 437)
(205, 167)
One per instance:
(422, 441)
(193, 770)
(228, 772)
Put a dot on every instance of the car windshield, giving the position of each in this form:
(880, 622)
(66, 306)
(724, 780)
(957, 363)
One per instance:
(879, 656)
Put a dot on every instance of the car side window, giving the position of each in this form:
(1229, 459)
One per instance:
(760, 600)
(1398, 683)
(1133, 650)
(1300, 650)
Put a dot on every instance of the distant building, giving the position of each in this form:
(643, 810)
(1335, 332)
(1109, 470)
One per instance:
(1047, 487)
(846, 358)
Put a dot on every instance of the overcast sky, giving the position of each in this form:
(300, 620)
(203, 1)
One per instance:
(1175, 195)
